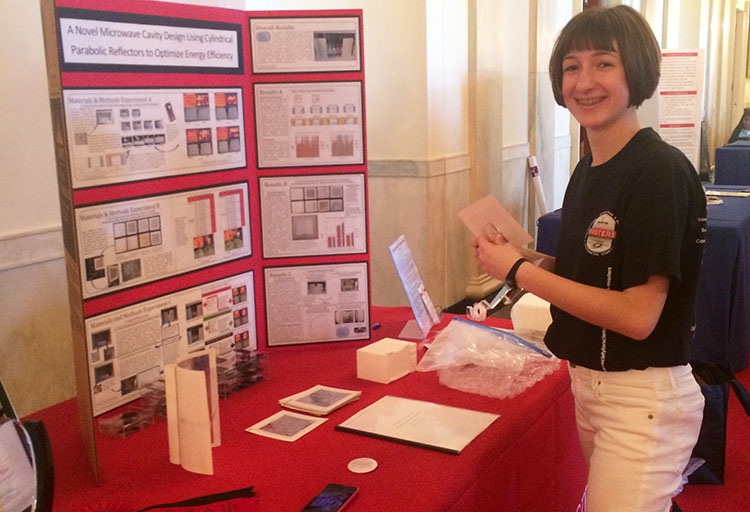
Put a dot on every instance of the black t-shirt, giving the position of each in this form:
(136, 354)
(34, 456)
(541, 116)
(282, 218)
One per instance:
(641, 213)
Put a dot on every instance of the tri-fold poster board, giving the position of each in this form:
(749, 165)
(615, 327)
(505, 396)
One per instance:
(213, 184)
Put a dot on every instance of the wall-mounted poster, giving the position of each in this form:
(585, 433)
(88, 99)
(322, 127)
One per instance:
(681, 100)
(128, 347)
(116, 41)
(306, 44)
(317, 303)
(314, 214)
(309, 124)
(121, 135)
(137, 241)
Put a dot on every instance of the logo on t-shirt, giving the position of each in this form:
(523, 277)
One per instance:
(601, 234)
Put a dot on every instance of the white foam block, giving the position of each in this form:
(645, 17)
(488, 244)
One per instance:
(386, 360)
(530, 313)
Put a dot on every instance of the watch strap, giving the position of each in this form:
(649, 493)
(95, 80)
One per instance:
(510, 279)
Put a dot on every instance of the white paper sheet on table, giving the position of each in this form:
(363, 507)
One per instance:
(425, 424)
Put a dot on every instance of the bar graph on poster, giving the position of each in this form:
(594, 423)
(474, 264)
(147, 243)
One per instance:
(342, 238)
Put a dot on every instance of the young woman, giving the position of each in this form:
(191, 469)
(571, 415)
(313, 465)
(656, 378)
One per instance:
(625, 277)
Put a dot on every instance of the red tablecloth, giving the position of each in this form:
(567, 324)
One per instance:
(528, 460)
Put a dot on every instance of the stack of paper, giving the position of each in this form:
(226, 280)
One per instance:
(320, 400)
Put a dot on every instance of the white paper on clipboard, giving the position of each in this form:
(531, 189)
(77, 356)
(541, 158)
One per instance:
(425, 314)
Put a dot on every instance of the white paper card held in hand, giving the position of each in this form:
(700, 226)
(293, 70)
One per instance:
(488, 214)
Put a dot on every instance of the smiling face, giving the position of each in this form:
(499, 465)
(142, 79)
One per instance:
(621, 29)
(595, 88)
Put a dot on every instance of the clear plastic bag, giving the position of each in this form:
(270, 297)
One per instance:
(480, 359)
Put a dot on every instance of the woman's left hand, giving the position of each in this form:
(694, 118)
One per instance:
(495, 257)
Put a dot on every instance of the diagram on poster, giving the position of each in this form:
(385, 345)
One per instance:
(121, 135)
(317, 303)
(133, 242)
(309, 124)
(128, 347)
(312, 43)
(313, 215)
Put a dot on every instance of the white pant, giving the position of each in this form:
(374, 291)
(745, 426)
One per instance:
(637, 430)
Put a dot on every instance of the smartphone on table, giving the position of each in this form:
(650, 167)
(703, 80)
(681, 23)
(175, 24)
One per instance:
(332, 498)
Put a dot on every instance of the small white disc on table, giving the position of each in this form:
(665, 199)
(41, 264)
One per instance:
(362, 465)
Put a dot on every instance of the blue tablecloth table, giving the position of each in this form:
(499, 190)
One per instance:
(732, 164)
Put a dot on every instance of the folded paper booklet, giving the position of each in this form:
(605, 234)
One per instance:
(320, 400)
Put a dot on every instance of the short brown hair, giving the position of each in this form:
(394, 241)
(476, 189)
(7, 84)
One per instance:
(598, 29)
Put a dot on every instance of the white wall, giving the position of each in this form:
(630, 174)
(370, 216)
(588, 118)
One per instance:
(553, 135)
(27, 160)
(509, 183)
(36, 362)
(514, 54)
(447, 77)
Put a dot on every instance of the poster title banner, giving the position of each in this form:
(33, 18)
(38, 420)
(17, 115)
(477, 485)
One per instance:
(108, 41)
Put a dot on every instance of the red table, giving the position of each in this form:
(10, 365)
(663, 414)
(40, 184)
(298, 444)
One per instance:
(528, 460)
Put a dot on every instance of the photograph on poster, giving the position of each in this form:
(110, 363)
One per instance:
(309, 124)
(314, 214)
(317, 303)
(116, 42)
(133, 242)
(123, 135)
(128, 347)
(306, 44)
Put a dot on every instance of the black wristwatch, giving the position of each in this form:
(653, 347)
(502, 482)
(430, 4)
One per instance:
(510, 279)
